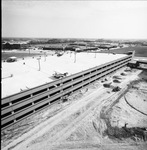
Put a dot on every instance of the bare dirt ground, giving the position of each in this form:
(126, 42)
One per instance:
(93, 118)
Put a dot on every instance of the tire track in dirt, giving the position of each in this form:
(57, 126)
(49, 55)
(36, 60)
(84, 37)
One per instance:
(65, 132)
(49, 124)
(71, 125)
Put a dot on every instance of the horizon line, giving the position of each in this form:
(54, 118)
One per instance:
(78, 38)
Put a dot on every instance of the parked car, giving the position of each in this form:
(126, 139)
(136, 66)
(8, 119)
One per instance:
(115, 89)
(11, 59)
(107, 85)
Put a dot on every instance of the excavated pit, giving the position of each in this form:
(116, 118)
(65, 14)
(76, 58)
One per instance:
(136, 132)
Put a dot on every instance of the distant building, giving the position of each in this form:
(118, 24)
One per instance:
(14, 45)
(10, 46)
(107, 46)
(71, 48)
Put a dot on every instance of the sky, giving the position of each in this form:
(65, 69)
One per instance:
(74, 19)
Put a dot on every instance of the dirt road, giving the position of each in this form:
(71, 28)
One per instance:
(81, 125)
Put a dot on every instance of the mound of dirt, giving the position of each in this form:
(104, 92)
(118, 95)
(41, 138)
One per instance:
(143, 75)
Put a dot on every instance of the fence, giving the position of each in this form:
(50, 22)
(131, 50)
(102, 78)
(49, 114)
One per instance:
(16, 107)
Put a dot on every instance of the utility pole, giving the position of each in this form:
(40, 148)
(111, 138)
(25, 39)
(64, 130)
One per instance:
(44, 56)
(75, 56)
(39, 64)
(133, 54)
(95, 54)
(64, 46)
